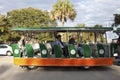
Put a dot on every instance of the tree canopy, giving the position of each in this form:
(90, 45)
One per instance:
(116, 20)
(4, 28)
(26, 17)
(2, 23)
(29, 17)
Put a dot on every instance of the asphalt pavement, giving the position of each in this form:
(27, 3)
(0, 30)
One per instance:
(9, 71)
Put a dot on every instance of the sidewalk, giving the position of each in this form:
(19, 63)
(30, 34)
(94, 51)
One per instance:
(6, 59)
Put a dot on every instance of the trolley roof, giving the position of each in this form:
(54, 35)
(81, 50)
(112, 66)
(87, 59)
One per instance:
(64, 29)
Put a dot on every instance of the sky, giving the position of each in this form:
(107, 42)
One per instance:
(89, 12)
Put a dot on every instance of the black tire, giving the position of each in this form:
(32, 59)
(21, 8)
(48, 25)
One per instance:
(29, 67)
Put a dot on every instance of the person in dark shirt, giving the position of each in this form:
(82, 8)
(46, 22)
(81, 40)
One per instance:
(72, 40)
(22, 44)
(78, 47)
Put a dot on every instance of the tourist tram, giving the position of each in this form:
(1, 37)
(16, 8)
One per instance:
(95, 54)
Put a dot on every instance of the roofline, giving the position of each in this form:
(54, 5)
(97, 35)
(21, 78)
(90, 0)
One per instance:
(64, 29)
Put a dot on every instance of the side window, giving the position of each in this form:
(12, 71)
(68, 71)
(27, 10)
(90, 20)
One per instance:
(3, 46)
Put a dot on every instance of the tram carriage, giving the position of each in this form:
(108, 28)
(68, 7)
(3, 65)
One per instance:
(101, 57)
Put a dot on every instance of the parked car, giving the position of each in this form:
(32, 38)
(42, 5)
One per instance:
(5, 50)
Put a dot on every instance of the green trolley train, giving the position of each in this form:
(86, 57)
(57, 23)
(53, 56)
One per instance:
(50, 54)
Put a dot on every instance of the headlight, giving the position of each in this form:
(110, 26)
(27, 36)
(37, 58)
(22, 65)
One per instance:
(44, 52)
(115, 54)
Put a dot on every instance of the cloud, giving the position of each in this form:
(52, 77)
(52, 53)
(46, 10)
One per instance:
(18, 4)
(1, 7)
(94, 12)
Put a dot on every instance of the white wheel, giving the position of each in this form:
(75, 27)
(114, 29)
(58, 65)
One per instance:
(73, 52)
(44, 52)
(16, 51)
(101, 51)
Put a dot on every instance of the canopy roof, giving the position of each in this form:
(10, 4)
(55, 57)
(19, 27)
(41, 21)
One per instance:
(64, 29)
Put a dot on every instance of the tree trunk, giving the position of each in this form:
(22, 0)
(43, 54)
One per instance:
(63, 21)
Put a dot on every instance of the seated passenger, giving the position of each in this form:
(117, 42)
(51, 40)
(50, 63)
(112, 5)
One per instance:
(36, 48)
(21, 44)
(72, 40)
(78, 46)
(60, 43)
(49, 47)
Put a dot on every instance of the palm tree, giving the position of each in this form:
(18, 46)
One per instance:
(63, 10)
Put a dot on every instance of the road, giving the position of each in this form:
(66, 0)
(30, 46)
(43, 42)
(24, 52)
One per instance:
(9, 71)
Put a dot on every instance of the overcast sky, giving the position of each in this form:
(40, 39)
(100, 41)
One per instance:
(89, 12)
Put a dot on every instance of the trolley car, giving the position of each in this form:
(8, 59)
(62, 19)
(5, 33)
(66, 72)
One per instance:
(96, 54)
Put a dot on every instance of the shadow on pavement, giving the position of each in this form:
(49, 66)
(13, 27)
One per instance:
(4, 68)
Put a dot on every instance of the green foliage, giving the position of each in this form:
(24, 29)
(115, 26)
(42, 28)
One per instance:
(116, 20)
(2, 23)
(27, 17)
(80, 25)
(44, 37)
(30, 17)
(99, 35)
(98, 26)
(63, 10)
(4, 28)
